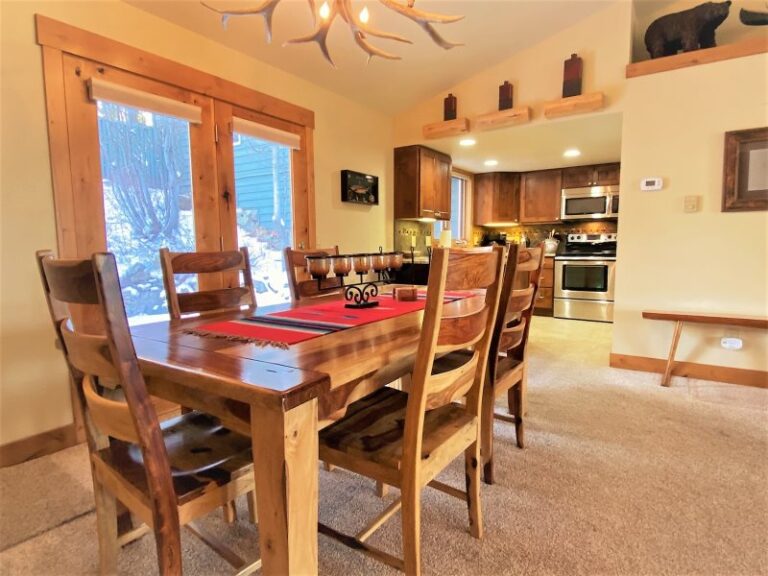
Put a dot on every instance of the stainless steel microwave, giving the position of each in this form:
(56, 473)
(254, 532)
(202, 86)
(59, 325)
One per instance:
(590, 202)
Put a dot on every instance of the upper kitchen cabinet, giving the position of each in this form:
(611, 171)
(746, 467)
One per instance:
(540, 194)
(496, 198)
(422, 183)
(599, 175)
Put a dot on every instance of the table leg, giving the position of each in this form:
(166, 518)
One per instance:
(672, 349)
(285, 454)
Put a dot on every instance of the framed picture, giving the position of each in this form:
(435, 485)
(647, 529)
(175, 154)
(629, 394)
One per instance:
(359, 188)
(745, 174)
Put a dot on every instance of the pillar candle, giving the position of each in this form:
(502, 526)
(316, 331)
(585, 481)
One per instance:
(428, 241)
(445, 239)
(413, 241)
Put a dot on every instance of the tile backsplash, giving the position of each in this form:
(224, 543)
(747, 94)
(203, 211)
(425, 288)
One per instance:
(407, 229)
(538, 232)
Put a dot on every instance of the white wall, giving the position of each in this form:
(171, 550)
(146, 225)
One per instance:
(601, 40)
(674, 125)
(34, 396)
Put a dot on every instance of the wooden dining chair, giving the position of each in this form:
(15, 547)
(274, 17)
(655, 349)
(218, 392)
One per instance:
(229, 262)
(406, 439)
(508, 365)
(299, 282)
(167, 474)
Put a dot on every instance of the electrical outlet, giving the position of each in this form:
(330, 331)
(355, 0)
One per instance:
(692, 204)
(731, 343)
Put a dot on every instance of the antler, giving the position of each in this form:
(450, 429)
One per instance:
(265, 9)
(360, 30)
(320, 35)
(425, 19)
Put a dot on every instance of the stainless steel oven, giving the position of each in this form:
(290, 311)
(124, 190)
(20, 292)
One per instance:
(584, 289)
(584, 278)
(589, 202)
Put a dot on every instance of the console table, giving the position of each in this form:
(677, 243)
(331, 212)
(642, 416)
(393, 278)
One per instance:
(704, 318)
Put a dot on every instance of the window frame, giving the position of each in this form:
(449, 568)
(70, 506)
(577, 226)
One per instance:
(466, 208)
(72, 55)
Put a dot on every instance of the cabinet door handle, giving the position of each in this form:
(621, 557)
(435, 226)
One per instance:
(427, 210)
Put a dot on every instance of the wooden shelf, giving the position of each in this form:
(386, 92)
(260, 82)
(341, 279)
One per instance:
(574, 105)
(447, 128)
(749, 47)
(503, 118)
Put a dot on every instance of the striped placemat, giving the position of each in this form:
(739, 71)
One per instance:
(281, 329)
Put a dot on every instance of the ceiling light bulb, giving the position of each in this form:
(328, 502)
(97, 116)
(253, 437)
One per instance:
(467, 142)
(491, 162)
(325, 11)
(572, 153)
(364, 15)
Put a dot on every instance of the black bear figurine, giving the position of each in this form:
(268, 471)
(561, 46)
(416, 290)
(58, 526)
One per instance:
(687, 30)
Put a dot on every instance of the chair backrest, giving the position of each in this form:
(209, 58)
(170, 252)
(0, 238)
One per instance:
(463, 325)
(510, 334)
(220, 299)
(94, 359)
(299, 281)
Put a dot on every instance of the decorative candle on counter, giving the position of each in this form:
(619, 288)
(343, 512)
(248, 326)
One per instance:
(428, 241)
(445, 239)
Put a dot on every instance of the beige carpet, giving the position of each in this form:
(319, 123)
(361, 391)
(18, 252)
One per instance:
(619, 477)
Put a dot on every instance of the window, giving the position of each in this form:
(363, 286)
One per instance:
(147, 154)
(147, 186)
(264, 215)
(459, 210)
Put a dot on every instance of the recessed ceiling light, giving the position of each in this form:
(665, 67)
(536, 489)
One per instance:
(467, 142)
(491, 162)
(572, 153)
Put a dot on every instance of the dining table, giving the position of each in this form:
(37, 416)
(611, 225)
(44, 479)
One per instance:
(280, 396)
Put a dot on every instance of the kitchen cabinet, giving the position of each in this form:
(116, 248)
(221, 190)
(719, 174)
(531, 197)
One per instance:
(496, 198)
(597, 175)
(540, 194)
(544, 297)
(422, 183)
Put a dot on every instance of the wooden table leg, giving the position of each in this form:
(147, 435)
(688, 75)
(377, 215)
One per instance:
(672, 349)
(285, 454)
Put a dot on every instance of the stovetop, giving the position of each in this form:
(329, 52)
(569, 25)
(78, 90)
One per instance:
(588, 247)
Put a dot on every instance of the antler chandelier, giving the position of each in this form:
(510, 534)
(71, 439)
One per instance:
(358, 24)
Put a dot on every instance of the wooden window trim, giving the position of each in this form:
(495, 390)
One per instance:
(78, 42)
(59, 41)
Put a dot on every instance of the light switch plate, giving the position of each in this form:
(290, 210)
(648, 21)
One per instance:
(692, 204)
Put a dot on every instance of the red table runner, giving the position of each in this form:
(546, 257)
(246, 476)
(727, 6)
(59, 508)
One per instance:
(281, 329)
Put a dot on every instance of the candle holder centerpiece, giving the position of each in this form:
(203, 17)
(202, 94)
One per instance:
(359, 294)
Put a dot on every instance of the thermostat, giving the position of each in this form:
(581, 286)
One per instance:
(651, 184)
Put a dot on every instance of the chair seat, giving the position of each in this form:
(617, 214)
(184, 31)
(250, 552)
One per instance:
(202, 453)
(372, 431)
(508, 367)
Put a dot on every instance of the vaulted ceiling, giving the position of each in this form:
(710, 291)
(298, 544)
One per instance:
(491, 31)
